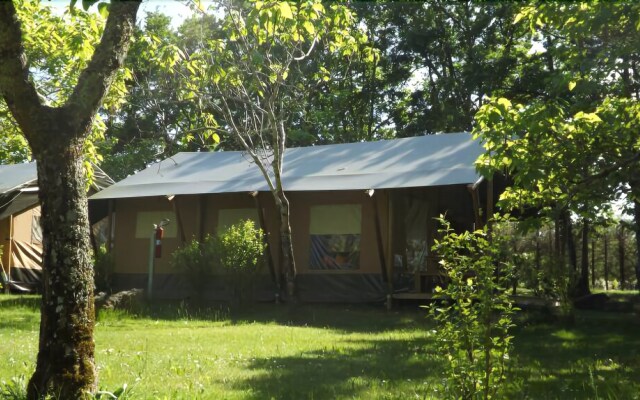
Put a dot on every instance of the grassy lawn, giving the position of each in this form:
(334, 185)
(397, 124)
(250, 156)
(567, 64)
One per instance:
(326, 352)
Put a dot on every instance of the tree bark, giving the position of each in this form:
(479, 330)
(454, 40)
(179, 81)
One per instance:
(65, 363)
(288, 261)
(582, 286)
(621, 255)
(65, 366)
(606, 261)
(593, 263)
(636, 217)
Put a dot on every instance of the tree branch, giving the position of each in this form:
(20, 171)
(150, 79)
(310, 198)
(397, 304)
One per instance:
(18, 91)
(109, 55)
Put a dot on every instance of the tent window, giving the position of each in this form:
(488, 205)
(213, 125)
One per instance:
(146, 219)
(36, 229)
(415, 222)
(335, 237)
(230, 216)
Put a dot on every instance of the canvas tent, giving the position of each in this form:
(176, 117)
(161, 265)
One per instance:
(20, 234)
(362, 214)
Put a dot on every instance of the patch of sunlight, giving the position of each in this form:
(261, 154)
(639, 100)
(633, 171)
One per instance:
(564, 334)
(607, 365)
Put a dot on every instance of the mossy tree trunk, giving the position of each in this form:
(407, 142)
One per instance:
(65, 363)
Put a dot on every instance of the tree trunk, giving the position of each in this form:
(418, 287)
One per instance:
(288, 261)
(621, 255)
(65, 363)
(593, 263)
(606, 261)
(575, 288)
(65, 366)
(582, 285)
(636, 217)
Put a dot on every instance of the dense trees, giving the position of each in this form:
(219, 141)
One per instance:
(572, 148)
(552, 90)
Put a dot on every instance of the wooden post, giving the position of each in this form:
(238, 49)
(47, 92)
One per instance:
(379, 243)
(475, 200)
(391, 260)
(489, 205)
(174, 202)
(202, 216)
(110, 226)
(10, 259)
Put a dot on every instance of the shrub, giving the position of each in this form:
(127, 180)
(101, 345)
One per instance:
(197, 261)
(240, 250)
(473, 313)
(237, 252)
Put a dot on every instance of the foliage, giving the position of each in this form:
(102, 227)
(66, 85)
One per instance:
(572, 147)
(474, 312)
(198, 261)
(15, 389)
(58, 47)
(241, 247)
(250, 80)
(240, 251)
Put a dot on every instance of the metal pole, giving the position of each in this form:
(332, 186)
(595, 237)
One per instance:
(152, 243)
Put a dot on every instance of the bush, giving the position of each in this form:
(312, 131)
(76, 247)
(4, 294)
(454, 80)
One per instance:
(473, 313)
(197, 261)
(240, 250)
(237, 252)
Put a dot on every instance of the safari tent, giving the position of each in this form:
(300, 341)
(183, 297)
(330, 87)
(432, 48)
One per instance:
(362, 214)
(20, 233)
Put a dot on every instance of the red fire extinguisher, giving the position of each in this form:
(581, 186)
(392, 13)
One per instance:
(159, 234)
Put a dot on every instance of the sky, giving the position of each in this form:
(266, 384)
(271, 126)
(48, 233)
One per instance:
(178, 10)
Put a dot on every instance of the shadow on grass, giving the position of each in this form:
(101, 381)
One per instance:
(20, 301)
(19, 313)
(347, 318)
(597, 356)
(369, 368)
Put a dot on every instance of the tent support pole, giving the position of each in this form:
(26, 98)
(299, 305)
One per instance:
(10, 259)
(176, 210)
(265, 239)
(489, 204)
(202, 216)
(390, 260)
(110, 226)
(152, 241)
(475, 199)
(381, 257)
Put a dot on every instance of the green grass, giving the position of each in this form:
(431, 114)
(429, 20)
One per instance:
(326, 352)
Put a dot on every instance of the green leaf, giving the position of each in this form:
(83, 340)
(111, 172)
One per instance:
(285, 10)
(103, 9)
(308, 26)
(572, 85)
(505, 102)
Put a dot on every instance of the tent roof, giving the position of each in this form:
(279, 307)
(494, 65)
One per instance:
(432, 160)
(19, 187)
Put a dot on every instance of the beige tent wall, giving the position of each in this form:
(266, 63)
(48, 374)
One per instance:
(22, 251)
(301, 203)
(132, 251)
(22, 225)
